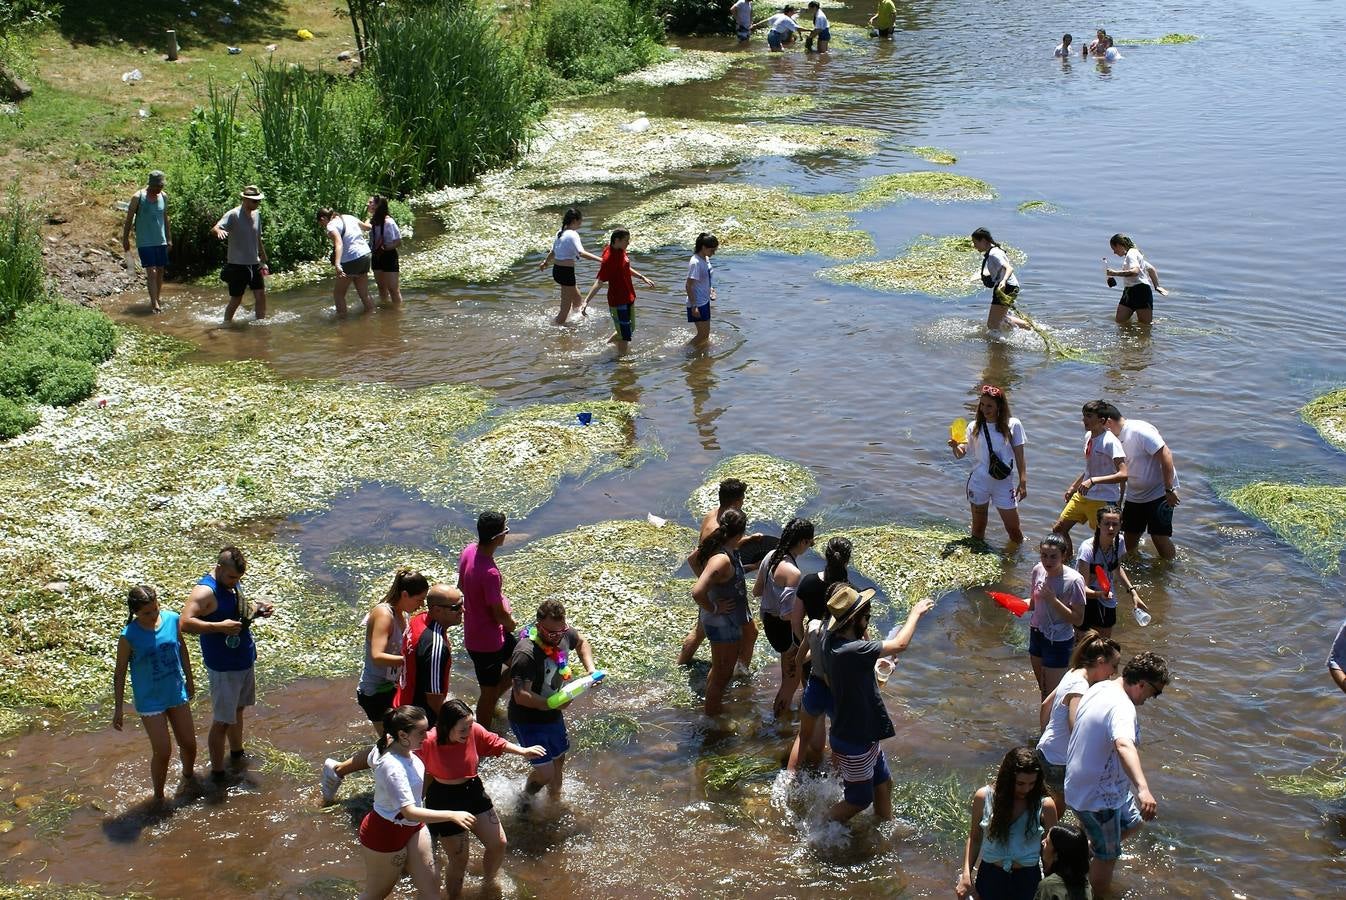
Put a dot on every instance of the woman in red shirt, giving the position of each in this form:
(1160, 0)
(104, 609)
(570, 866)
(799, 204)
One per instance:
(450, 753)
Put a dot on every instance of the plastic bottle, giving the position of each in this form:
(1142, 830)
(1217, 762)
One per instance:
(574, 689)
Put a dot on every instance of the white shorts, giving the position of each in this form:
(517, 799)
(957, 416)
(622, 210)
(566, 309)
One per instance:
(983, 489)
(229, 691)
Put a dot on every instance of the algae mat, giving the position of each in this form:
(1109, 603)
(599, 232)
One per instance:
(1328, 415)
(683, 66)
(507, 215)
(1311, 518)
(939, 266)
(616, 580)
(777, 488)
(919, 562)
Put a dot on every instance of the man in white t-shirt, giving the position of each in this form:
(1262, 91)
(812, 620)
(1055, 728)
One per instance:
(1151, 485)
(1103, 764)
(1104, 475)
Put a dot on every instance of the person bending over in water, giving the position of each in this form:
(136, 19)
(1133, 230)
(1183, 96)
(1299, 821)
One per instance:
(161, 683)
(700, 287)
(1094, 659)
(997, 273)
(781, 29)
(1004, 842)
(1063, 49)
(995, 432)
(565, 252)
(1139, 280)
(616, 270)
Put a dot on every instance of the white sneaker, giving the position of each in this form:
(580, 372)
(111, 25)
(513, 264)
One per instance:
(742, 670)
(331, 782)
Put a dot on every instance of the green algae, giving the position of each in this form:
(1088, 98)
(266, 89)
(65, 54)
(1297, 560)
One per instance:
(910, 563)
(371, 568)
(683, 66)
(1328, 414)
(777, 488)
(53, 891)
(603, 731)
(746, 219)
(580, 155)
(1041, 207)
(616, 580)
(939, 266)
(516, 465)
(767, 106)
(1309, 517)
(1174, 38)
(1319, 783)
(1050, 342)
(272, 760)
(933, 154)
(938, 806)
(731, 772)
(933, 186)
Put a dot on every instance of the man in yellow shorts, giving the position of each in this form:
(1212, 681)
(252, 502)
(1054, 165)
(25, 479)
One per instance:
(1104, 475)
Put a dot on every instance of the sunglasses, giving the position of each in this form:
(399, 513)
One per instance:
(990, 390)
(454, 607)
(1157, 688)
(550, 633)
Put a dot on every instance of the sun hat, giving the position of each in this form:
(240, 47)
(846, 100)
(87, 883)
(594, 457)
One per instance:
(156, 177)
(845, 603)
(252, 192)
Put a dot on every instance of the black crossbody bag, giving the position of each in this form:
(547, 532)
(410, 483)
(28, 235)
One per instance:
(999, 471)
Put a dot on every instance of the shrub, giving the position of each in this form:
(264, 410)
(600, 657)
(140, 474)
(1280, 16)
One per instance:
(588, 43)
(696, 16)
(22, 278)
(14, 419)
(65, 329)
(65, 381)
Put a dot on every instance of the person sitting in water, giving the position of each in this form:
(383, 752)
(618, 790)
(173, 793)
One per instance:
(782, 29)
(1063, 49)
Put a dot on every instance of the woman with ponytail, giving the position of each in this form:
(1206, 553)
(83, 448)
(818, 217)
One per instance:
(384, 626)
(161, 683)
(808, 621)
(1140, 281)
(566, 250)
(777, 580)
(384, 238)
(721, 592)
(700, 288)
(393, 836)
(997, 273)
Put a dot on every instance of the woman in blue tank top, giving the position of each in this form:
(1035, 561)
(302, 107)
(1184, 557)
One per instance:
(161, 683)
(1005, 841)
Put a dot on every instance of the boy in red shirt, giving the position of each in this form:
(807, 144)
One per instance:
(615, 269)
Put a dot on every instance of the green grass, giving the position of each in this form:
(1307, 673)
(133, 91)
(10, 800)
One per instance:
(587, 44)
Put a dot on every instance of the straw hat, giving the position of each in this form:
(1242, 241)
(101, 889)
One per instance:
(252, 192)
(846, 603)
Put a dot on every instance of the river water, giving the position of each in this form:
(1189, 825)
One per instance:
(1217, 156)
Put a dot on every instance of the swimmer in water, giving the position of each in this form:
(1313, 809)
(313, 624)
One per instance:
(1063, 50)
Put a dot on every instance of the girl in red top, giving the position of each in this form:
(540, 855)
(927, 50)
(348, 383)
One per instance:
(615, 269)
(450, 753)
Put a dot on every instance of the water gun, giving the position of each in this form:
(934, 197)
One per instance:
(958, 430)
(1016, 605)
(574, 689)
(1101, 576)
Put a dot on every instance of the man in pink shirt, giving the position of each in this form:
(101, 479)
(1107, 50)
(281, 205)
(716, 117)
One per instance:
(488, 624)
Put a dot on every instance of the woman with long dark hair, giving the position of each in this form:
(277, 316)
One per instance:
(1065, 860)
(808, 620)
(384, 238)
(995, 434)
(997, 273)
(1005, 840)
(385, 625)
(700, 286)
(721, 592)
(777, 579)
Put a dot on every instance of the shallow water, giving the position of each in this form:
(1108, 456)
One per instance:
(1216, 156)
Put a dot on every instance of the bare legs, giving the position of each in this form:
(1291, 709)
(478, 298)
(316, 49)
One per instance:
(722, 659)
(548, 775)
(258, 305)
(1143, 316)
(219, 732)
(570, 299)
(390, 287)
(1010, 517)
(154, 284)
(382, 870)
(344, 282)
(488, 830)
(179, 719)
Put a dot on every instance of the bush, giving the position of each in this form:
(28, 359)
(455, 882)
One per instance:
(65, 381)
(588, 43)
(64, 329)
(14, 419)
(696, 16)
(22, 278)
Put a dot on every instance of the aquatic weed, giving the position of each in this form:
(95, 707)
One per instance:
(732, 771)
(1173, 38)
(1038, 206)
(909, 562)
(933, 186)
(603, 731)
(758, 105)
(1309, 517)
(938, 806)
(371, 568)
(272, 760)
(932, 154)
(939, 266)
(683, 66)
(1316, 782)
(777, 488)
(1328, 414)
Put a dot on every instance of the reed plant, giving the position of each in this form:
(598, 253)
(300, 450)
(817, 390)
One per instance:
(22, 278)
(586, 44)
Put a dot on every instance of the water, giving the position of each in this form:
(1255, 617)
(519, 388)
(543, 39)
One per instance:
(1220, 157)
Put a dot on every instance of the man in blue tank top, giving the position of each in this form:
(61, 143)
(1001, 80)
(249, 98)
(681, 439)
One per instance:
(218, 613)
(148, 212)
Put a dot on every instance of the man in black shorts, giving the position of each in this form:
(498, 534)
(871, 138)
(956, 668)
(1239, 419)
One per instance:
(1151, 486)
(245, 265)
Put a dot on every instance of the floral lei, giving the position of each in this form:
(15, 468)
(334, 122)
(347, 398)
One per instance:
(555, 654)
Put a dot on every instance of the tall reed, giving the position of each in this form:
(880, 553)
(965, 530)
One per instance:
(22, 279)
(460, 95)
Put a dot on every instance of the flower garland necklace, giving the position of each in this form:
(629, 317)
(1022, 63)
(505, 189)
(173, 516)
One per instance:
(556, 654)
